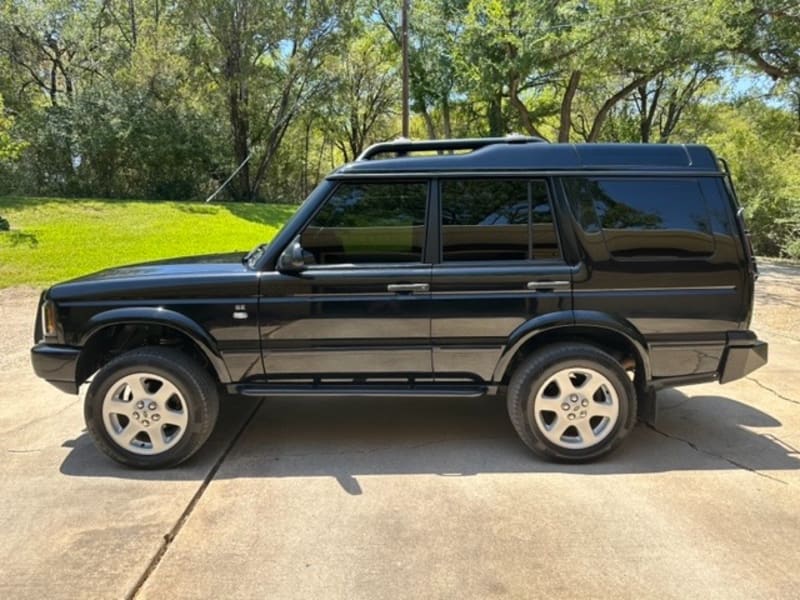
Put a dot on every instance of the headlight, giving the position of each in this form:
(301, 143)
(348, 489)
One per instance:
(49, 319)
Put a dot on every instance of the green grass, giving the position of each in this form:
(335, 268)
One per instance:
(53, 239)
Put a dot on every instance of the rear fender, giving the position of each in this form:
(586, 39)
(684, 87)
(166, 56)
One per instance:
(572, 324)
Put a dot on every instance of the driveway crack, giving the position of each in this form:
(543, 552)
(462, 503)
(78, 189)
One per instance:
(772, 391)
(730, 461)
(170, 536)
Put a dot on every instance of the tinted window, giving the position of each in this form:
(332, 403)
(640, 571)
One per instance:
(496, 220)
(644, 217)
(544, 240)
(368, 223)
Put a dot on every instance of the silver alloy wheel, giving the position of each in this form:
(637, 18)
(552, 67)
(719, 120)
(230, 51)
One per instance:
(576, 408)
(145, 413)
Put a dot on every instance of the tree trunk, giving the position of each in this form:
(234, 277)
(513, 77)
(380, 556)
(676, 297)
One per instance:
(342, 147)
(797, 109)
(283, 116)
(446, 123)
(54, 83)
(68, 87)
(602, 114)
(355, 139)
(430, 126)
(647, 110)
(320, 155)
(134, 27)
(235, 78)
(566, 106)
(306, 149)
(674, 110)
(643, 105)
(522, 110)
(497, 123)
(240, 129)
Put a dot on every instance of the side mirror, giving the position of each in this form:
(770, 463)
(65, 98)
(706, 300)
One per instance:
(293, 257)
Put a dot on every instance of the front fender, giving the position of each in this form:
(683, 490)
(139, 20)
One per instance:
(575, 322)
(159, 316)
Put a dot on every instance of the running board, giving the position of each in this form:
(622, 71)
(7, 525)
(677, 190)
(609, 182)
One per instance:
(362, 391)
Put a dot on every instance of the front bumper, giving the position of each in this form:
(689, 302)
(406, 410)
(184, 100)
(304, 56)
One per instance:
(57, 365)
(744, 353)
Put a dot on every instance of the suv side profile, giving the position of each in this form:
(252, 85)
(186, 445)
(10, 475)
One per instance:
(572, 280)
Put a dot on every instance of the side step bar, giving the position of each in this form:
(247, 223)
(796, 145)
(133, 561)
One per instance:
(362, 391)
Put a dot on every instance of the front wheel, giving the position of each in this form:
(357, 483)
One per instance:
(151, 408)
(571, 402)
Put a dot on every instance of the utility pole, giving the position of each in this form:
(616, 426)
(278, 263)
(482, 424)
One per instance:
(404, 39)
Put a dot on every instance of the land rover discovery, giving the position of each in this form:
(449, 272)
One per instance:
(571, 280)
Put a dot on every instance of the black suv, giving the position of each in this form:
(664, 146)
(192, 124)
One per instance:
(573, 280)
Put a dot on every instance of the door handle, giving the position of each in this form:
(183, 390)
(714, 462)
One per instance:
(546, 285)
(408, 287)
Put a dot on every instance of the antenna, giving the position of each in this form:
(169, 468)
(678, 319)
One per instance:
(228, 180)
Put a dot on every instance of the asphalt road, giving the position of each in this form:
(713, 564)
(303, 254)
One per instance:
(410, 498)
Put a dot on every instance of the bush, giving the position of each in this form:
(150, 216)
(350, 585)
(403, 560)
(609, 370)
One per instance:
(4, 226)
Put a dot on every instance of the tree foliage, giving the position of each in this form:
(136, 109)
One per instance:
(168, 98)
(10, 147)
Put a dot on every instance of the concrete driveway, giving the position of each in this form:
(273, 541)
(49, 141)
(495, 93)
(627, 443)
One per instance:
(410, 498)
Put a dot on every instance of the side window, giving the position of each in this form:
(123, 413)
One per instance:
(644, 217)
(485, 219)
(369, 223)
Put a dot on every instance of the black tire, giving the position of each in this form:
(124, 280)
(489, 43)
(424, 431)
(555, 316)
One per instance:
(538, 369)
(197, 389)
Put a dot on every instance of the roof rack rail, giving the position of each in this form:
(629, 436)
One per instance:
(402, 146)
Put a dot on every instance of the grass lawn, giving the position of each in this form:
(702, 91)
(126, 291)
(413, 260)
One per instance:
(53, 239)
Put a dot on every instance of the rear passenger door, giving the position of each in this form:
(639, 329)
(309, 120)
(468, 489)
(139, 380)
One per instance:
(499, 265)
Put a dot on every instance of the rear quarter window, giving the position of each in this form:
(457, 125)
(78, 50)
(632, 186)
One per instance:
(644, 218)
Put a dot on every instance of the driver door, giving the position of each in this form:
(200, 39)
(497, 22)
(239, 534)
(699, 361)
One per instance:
(360, 305)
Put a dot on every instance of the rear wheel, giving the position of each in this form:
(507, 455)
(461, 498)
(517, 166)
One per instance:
(151, 408)
(571, 402)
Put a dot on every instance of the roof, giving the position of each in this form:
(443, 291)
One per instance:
(528, 154)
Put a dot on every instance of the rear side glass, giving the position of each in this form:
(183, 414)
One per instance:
(644, 217)
(721, 208)
(497, 220)
(581, 193)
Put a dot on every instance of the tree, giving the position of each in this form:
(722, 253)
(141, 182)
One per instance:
(768, 36)
(558, 63)
(759, 144)
(652, 113)
(54, 43)
(263, 58)
(10, 146)
(364, 95)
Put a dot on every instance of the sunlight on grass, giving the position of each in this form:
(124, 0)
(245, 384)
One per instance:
(56, 239)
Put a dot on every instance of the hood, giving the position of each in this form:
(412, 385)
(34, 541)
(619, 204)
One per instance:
(154, 279)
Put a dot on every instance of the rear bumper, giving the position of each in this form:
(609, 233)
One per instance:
(56, 365)
(744, 353)
(741, 354)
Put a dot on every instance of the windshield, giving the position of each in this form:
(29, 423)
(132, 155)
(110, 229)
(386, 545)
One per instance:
(252, 258)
